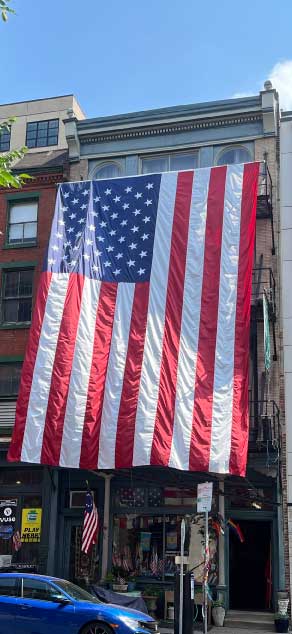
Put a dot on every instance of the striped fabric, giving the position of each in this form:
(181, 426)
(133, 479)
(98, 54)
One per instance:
(138, 359)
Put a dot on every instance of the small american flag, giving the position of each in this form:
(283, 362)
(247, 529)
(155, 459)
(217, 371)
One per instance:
(90, 524)
(139, 347)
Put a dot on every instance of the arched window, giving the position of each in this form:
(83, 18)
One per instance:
(107, 170)
(232, 155)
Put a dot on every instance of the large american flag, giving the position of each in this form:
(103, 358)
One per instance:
(90, 524)
(139, 347)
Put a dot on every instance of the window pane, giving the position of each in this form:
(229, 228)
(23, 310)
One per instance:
(31, 134)
(32, 126)
(25, 282)
(23, 212)
(52, 140)
(107, 171)
(9, 378)
(183, 162)
(30, 231)
(130, 497)
(16, 233)
(42, 125)
(24, 310)
(234, 155)
(31, 142)
(155, 165)
(10, 311)
(54, 123)
(35, 589)
(8, 587)
(11, 284)
(41, 142)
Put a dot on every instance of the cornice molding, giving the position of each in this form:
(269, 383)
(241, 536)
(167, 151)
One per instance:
(161, 130)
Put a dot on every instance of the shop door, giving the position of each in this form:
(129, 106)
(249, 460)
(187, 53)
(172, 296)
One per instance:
(78, 567)
(250, 567)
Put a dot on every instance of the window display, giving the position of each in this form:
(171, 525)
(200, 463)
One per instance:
(146, 546)
(20, 531)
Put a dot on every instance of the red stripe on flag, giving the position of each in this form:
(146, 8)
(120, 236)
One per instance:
(240, 418)
(204, 383)
(96, 386)
(163, 429)
(53, 431)
(131, 383)
(14, 453)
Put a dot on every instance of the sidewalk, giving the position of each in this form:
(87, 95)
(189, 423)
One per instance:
(220, 630)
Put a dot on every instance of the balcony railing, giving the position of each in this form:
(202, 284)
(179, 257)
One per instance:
(264, 431)
(265, 198)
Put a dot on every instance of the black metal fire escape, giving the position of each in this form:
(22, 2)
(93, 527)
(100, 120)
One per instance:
(264, 412)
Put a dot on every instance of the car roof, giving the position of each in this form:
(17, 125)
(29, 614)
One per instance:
(30, 576)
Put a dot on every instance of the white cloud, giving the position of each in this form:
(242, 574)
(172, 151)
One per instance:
(281, 78)
(238, 95)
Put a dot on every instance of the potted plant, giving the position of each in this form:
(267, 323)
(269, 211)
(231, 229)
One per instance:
(109, 580)
(218, 613)
(131, 583)
(281, 622)
(151, 594)
(120, 584)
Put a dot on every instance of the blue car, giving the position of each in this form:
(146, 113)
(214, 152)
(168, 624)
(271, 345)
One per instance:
(35, 604)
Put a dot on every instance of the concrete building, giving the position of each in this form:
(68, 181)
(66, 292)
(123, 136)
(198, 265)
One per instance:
(38, 123)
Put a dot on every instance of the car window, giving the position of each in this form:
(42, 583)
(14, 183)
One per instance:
(75, 592)
(8, 587)
(36, 589)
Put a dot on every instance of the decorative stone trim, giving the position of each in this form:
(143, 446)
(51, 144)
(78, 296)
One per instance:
(169, 129)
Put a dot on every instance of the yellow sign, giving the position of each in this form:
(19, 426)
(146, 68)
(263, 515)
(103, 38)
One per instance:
(31, 525)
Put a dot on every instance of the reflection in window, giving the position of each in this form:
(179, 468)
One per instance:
(9, 378)
(170, 162)
(234, 155)
(109, 170)
(23, 222)
(17, 296)
(42, 133)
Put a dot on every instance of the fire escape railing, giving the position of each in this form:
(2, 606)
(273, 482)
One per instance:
(265, 198)
(264, 431)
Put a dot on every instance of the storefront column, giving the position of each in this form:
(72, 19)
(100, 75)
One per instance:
(106, 520)
(221, 537)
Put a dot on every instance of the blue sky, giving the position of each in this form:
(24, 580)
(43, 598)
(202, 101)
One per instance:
(126, 55)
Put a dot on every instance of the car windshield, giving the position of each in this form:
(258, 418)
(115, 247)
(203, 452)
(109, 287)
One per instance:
(76, 593)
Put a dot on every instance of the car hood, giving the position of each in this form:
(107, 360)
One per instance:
(113, 610)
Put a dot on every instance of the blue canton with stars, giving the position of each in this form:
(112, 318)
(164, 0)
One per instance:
(105, 229)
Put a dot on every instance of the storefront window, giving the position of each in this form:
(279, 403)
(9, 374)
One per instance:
(146, 546)
(129, 497)
(146, 533)
(20, 531)
(16, 477)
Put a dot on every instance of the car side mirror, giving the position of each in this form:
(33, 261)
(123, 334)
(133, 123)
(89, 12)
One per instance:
(62, 600)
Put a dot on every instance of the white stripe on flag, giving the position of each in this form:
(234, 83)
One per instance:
(115, 375)
(42, 376)
(150, 374)
(224, 355)
(80, 373)
(187, 360)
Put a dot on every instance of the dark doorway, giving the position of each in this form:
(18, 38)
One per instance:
(250, 566)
